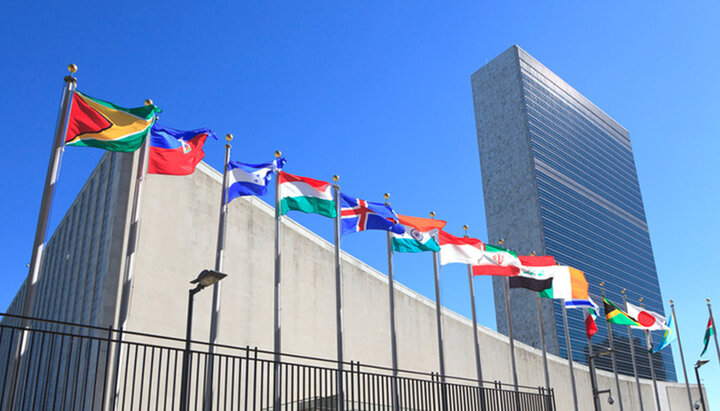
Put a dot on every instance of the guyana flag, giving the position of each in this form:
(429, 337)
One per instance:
(101, 124)
(617, 316)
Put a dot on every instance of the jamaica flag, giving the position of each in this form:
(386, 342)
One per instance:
(617, 316)
(101, 124)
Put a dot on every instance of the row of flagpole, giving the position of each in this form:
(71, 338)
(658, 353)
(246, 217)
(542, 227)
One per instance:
(141, 170)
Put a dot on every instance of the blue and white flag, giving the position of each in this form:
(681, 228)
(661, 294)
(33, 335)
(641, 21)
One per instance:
(250, 179)
(668, 336)
(359, 215)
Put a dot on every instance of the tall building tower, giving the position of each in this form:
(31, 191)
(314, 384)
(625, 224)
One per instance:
(559, 178)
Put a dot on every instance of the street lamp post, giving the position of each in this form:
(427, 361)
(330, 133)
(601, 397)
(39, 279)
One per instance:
(593, 380)
(699, 364)
(205, 279)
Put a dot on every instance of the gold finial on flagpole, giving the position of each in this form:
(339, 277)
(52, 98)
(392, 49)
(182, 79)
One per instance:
(228, 137)
(501, 241)
(708, 300)
(278, 154)
(671, 301)
(386, 196)
(532, 253)
(72, 68)
(640, 299)
(602, 283)
(432, 214)
(465, 227)
(336, 178)
(148, 102)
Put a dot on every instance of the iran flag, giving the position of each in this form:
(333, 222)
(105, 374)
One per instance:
(648, 320)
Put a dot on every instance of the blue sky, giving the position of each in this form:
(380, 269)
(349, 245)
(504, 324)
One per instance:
(379, 93)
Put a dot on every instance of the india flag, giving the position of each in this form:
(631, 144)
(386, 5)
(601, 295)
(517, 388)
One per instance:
(305, 194)
(418, 236)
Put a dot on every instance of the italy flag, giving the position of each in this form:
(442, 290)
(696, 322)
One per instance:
(418, 236)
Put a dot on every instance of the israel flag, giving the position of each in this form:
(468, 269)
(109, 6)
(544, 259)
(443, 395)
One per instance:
(250, 179)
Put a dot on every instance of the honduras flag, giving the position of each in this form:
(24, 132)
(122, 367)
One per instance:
(250, 179)
(359, 215)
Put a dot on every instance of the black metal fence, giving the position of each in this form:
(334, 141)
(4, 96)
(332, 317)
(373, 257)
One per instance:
(67, 366)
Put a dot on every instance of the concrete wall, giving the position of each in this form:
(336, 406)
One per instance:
(178, 240)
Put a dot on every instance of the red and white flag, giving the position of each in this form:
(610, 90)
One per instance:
(648, 320)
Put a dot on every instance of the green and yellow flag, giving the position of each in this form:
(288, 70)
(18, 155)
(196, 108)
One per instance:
(617, 316)
(101, 124)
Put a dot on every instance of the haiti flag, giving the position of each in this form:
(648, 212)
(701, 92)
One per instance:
(176, 152)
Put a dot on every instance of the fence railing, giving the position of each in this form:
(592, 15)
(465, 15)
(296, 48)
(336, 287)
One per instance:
(67, 366)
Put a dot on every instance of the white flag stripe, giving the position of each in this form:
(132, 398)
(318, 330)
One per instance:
(460, 253)
(238, 175)
(302, 189)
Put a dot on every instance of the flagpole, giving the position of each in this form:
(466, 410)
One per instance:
(132, 246)
(682, 357)
(338, 298)
(51, 178)
(612, 354)
(648, 340)
(215, 313)
(277, 337)
(569, 353)
(593, 376)
(632, 354)
(510, 330)
(478, 366)
(715, 331)
(542, 341)
(438, 317)
(393, 341)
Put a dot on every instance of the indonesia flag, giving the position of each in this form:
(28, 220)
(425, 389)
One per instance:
(176, 152)
(465, 250)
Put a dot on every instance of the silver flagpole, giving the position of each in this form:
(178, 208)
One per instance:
(51, 178)
(510, 330)
(648, 341)
(277, 338)
(132, 247)
(632, 354)
(715, 331)
(338, 298)
(475, 331)
(569, 353)
(544, 347)
(438, 317)
(612, 354)
(593, 376)
(215, 313)
(393, 341)
(682, 357)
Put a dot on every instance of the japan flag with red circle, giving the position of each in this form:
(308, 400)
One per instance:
(648, 320)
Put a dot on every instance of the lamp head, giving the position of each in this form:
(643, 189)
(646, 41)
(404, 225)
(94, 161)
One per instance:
(208, 277)
(700, 363)
(611, 400)
(696, 405)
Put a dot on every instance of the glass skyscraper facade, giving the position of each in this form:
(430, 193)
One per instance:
(559, 178)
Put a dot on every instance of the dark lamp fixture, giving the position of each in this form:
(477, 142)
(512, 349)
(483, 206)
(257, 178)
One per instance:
(208, 277)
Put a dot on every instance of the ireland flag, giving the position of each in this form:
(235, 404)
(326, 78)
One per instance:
(305, 194)
(418, 235)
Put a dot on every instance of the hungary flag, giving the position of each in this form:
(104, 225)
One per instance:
(709, 331)
(101, 124)
(305, 194)
(418, 235)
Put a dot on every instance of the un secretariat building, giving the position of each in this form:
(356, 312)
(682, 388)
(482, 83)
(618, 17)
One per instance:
(559, 178)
